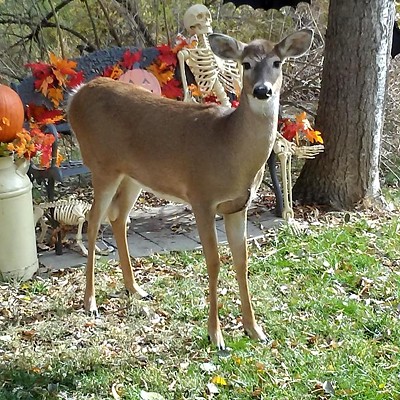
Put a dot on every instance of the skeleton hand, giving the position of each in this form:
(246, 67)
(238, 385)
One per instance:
(308, 151)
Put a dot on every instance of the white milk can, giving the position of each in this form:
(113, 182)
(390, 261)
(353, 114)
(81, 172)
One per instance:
(18, 256)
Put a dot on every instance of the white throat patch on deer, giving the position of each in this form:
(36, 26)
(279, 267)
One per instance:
(207, 156)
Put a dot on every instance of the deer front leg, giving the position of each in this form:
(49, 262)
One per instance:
(104, 191)
(236, 232)
(205, 221)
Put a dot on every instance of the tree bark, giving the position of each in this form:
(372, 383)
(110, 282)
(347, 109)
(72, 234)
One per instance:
(351, 106)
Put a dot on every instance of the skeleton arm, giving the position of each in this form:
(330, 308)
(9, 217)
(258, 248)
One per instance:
(183, 55)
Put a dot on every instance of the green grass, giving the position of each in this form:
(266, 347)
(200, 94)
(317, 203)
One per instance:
(327, 299)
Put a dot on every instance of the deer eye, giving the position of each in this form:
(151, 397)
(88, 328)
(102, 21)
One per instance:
(277, 64)
(246, 65)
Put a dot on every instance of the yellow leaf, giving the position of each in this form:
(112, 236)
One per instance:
(237, 360)
(219, 380)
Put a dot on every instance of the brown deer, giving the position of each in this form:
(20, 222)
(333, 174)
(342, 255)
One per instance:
(208, 156)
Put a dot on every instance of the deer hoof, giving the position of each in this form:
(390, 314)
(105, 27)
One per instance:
(91, 307)
(255, 332)
(142, 296)
(217, 340)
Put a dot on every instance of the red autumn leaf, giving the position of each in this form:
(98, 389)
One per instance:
(172, 89)
(167, 56)
(76, 79)
(39, 70)
(113, 72)
(129, 58)
(290, 129)
(42, 115)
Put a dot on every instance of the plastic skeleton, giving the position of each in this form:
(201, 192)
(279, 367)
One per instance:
(217, 76)
(212, 74)
(66, 212)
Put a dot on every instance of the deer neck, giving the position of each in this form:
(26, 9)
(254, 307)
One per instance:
(258, 118)
(254, 126)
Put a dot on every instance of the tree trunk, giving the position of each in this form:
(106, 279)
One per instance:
(351, 105)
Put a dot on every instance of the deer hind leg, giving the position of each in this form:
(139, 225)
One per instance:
(104, 191)
(236, 226)
(118, 213)
(205, 221)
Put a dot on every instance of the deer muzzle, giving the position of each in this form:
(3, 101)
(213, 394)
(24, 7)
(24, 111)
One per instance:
(263, 92)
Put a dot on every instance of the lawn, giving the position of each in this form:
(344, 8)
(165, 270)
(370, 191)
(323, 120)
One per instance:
(328, 299)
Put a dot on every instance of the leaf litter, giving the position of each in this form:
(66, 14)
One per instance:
(42, 321)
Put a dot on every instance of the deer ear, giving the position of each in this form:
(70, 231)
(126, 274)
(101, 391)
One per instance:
(225, 46)
(295, 45)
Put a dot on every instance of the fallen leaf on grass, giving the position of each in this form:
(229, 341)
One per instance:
(219, 380)
(28, 334)
(212, 388)
(150, 396)
(116, 391)
(208, 367)
(324, 389)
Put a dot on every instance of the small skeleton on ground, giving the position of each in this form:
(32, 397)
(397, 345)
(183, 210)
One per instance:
(216, 76)
(67, 213)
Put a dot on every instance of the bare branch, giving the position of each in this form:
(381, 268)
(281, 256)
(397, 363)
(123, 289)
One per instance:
(96, 36)
(138, 21)
(111, 29)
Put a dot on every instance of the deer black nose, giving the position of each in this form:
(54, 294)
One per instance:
(262, 92)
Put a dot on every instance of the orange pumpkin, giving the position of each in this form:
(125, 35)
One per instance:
(11, 114)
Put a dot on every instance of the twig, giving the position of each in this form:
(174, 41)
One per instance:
(166, 23)
(59, 33)
(138, 21)
(113, 32)
(96, 36)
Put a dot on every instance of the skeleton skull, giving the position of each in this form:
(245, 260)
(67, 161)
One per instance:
(197, 20)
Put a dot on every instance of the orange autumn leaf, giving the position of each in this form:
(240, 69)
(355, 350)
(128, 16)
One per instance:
(55, 95)
(44, 87)
(314, 136)
(62, 79)
(194, 90)
(113, 72)
(162, 76)
(66, 67)
(302, 119)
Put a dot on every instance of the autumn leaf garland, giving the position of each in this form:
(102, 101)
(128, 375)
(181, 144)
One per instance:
(53, 78)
